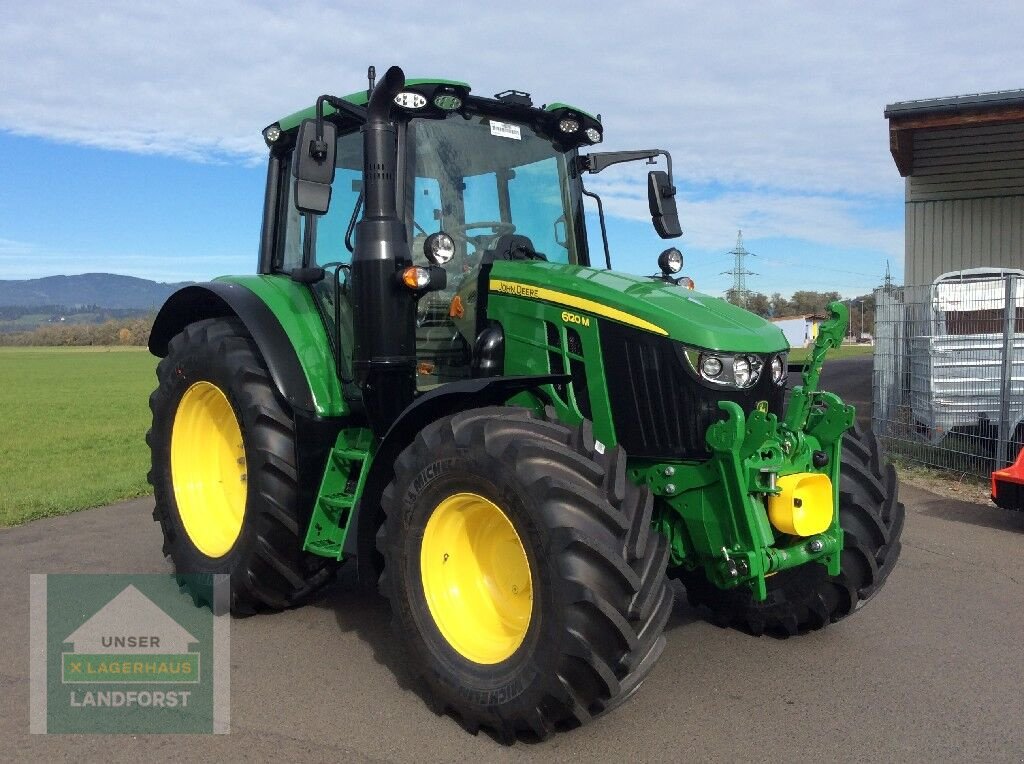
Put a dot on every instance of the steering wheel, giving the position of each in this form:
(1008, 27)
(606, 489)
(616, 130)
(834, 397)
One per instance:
(480, 241)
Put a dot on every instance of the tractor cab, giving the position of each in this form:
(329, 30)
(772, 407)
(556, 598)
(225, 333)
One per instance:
(472, 173)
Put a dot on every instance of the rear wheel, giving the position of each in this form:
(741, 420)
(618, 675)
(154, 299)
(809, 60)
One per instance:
(223, 471)
(522, 571)
(806, 598)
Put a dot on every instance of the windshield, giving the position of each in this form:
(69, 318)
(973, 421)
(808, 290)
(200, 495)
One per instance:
(479, 178)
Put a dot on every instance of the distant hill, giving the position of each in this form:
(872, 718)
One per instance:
(104, 290)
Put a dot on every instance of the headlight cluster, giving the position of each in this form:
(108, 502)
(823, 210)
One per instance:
(737, 371)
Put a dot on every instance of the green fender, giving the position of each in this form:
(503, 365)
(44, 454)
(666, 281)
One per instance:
(283, 319)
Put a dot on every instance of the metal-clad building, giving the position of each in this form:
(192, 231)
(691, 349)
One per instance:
(963, 158)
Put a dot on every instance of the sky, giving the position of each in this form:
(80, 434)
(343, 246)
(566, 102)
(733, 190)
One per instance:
(130, 132)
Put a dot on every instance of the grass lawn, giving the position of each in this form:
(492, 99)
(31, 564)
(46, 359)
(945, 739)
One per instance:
(73, 423)
(843, 351)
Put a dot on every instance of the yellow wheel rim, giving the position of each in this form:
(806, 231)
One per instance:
(208, 469)
(476, 578)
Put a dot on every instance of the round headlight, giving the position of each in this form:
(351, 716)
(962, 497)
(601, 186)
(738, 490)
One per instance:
(670, 261)
(568, 125)
(741, 371)
(439, 248)
(778, 370)
(710, 366)
(593, 134)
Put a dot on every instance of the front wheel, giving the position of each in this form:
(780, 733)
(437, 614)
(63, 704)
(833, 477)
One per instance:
(522, 571)
(224, 472)
(806, 598)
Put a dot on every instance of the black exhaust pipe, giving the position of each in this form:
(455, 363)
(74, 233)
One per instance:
(383, 310)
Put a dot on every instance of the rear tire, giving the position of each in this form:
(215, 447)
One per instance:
(599, 598)
(266, 564)
(806, 598)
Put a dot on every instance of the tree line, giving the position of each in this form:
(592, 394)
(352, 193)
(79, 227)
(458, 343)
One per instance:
(55, 312)
(126, 331)
(805, 303)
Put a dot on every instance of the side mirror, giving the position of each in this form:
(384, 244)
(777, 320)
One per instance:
(313, 166)
(661, 197)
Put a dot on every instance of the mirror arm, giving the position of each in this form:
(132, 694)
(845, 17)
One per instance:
(357, 113)
(309, 236)
(308, 273)
(604, 231)
(598, 161)
(318, 150)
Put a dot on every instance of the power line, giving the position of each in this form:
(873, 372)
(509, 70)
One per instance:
(739, 271)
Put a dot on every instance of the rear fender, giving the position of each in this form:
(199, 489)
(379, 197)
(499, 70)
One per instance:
(284, 322)
(216, 300)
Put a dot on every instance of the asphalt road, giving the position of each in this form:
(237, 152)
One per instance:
(850, 379)
(930, 670)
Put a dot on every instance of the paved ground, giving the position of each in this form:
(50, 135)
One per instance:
(931, 670)
(850, 379)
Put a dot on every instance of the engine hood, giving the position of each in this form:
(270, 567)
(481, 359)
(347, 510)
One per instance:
(650, 305)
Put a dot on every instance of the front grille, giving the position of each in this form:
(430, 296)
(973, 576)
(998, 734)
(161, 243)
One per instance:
(660, 409)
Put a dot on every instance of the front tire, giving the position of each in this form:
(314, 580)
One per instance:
(224, 472)
(522, 571)
(806, 598)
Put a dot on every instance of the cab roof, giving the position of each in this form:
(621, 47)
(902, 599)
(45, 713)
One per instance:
(360, 98)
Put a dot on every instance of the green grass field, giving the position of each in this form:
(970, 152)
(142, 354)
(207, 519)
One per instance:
(73, 423)
(844, 351)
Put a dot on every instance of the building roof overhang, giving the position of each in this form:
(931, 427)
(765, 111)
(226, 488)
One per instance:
(906, 117)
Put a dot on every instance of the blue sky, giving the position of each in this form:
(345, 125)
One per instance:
(130, 135)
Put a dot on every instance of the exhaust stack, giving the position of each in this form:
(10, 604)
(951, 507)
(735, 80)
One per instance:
(383, 310)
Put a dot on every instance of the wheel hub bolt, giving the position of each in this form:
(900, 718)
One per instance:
(670, 488)
(815, 546)
(669, 471)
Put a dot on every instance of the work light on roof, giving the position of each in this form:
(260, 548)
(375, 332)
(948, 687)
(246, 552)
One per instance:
(447, 101)
(271, 134)
(593, 134)
(568, 125)
(410, 100)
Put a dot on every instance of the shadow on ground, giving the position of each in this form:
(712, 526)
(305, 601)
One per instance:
(358, 609)
(972, 514)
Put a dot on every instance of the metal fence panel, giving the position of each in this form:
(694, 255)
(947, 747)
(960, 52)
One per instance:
(949, 370)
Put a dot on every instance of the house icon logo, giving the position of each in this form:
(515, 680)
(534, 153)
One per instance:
(130, 640)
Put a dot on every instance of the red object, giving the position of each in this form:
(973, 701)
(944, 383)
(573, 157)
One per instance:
(1008, 485)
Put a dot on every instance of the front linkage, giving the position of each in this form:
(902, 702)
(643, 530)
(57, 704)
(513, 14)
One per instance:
(717, 514)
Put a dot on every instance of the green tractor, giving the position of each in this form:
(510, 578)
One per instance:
(431, 379)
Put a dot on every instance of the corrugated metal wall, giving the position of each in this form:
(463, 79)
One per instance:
(965, 201)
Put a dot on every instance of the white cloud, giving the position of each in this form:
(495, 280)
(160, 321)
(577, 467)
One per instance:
(710, 220)
(778, 95)
(776, 106)
(14, 249)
